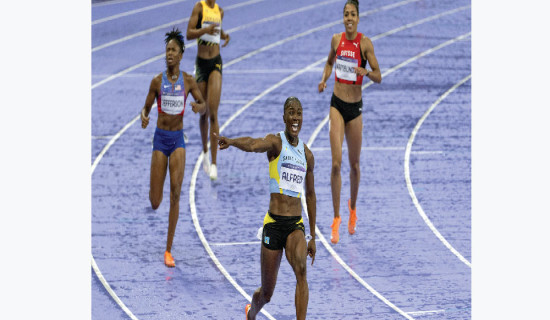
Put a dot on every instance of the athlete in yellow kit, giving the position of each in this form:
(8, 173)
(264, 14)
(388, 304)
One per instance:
(205, 25)
(290, 172)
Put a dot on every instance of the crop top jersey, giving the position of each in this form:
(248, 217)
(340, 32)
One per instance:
(348, 56)
(208, 17)
(288, 171)
(172, 98)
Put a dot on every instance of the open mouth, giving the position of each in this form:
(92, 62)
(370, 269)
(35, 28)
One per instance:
(295, 127)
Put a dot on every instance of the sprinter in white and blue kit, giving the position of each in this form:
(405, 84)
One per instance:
(290, 173)
(170, 88)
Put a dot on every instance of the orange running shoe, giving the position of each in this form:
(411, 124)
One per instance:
(168, 260)
(334, 236)
(352, 218)
(248, 306)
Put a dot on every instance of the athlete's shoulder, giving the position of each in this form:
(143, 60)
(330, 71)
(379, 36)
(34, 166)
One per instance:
(157, 78)
(335, 40)
(197, 6)
(365, 40)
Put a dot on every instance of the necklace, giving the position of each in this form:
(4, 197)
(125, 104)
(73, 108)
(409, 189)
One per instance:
(173, 77)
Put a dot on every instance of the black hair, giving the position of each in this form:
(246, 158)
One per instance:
(176, 35)
(354, 2)
(291, 100)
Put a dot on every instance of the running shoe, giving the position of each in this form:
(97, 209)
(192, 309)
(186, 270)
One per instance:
(206, 163)
(334, 236)
(213, 172)
(352, 218)
(168, 260)
(248, 306)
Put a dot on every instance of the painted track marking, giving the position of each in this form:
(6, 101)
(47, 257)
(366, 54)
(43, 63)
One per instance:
(408, 175)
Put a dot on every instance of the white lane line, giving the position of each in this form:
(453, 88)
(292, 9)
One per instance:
(160, 56)
(408, 177)
(322, 27)
(234, 243)
(166, 25)
(106, 3)
(131, 12)
(421, 313)
(199, 160)
(110, 290)
(314, 136)
(322, 149)
(205, 243)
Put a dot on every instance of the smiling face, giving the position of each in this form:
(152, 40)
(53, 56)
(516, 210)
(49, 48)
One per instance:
(351, 18)
(173, 53)
(293, 118)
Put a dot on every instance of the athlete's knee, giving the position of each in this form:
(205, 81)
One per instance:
(175, 191)
(155, 201)
(266, 295)
(336, 167)
(213, 117)
(355, 168)
(300, 269)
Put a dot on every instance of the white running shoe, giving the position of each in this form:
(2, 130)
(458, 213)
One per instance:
(213, 172)
(206, 163)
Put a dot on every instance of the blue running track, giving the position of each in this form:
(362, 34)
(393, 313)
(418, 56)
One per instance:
(411, 255)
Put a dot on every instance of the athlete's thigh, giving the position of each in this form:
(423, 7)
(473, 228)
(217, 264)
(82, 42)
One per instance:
(159, 163)
(296, 248)
(336, 134)
(214, 89)
(177, 167)
(203, 87)
(354, 138)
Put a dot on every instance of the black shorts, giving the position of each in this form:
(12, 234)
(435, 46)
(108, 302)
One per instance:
(203, 67)
(349, 111)
(278, 228)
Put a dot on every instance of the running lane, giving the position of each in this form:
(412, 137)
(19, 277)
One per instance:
(393, 250)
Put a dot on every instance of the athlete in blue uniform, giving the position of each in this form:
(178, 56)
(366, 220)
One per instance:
(290, 171)
(170, 88)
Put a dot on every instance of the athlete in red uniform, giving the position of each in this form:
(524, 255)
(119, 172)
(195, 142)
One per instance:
(349, 53)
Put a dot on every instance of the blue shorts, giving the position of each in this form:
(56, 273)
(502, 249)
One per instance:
(168, 141)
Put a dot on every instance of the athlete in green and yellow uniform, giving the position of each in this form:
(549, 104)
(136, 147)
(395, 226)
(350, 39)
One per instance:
(205, 25)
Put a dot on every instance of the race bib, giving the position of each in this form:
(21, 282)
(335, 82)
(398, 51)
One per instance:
(345, 68)
(208, 37)
(292, 177)
(172, 104)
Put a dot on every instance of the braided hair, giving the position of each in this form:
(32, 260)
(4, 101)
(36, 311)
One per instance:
(176, 35)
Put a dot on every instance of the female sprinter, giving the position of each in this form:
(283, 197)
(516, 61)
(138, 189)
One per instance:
(170, 88)
(290, 170)
(206, 25)
(349, 51)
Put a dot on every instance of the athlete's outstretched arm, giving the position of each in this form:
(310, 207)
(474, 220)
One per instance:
(311, 201)
(248, 144)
